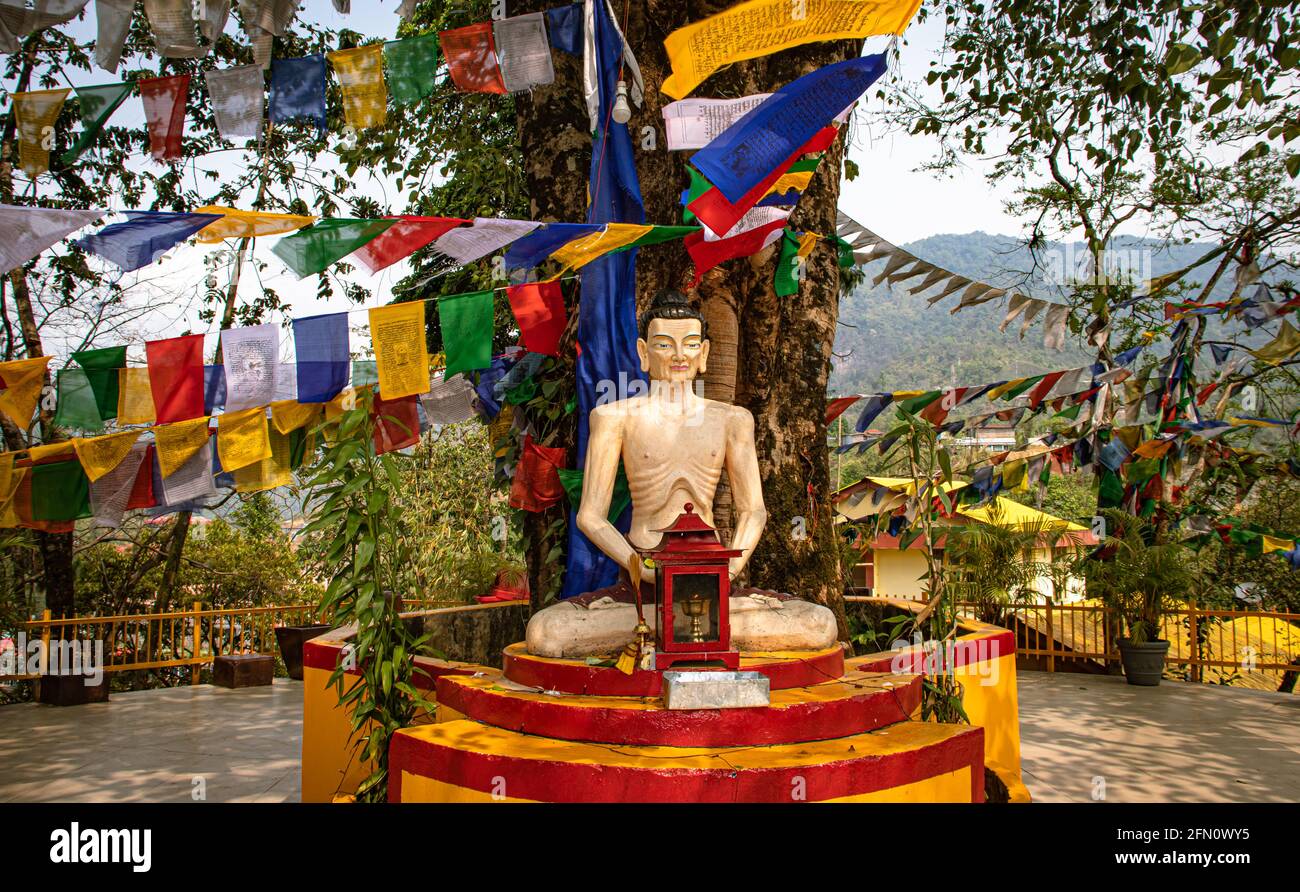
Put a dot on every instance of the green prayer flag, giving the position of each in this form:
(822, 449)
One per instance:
(311, 250)
(364, 372)
(699, 185)
(917, 403)
(412, 63)
(466, 322)
(1070, 413)
(97, 105)
(571, 480)
(1110, 491)
(522, 392)
(786, 280)
(1021, 387)
(844, 253)
(102, 367)
(60, 491)
(76, 408)
(657, 235)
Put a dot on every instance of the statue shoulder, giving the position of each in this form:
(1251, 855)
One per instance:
(740, 419)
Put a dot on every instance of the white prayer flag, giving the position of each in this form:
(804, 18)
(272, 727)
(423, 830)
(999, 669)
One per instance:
(26, 232)
(465, 244)
(286, 382)
(694, 123)
(237, 95)
(523, 52)
(16, 20)
(754, 218)
(192, 480)
(174, 29)
(112, 22)
(110, 493)
(251, 357)
(449, 401)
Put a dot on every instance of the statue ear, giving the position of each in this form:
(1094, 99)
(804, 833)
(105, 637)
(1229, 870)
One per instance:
(704, 356)
(643, 351)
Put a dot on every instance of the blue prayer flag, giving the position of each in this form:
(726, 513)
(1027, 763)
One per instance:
(214, 388)
(607, 311)
(144, 237)
(564, 25)
(875, 404)
(298, 89)
(740, 157)
(532, 249)
(321, 345)
(1220, 353)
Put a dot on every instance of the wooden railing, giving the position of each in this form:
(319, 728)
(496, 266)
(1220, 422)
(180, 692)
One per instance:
(171, 639)
(1245, 647)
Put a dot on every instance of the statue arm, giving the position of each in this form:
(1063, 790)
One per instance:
(746, 487)
(604, 446)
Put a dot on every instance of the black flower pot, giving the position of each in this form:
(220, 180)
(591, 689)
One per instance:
(291, 639)
(1143, 663)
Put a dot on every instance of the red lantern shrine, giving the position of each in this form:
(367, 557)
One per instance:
(692, 595)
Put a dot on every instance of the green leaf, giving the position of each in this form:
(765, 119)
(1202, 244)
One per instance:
(1181, 57)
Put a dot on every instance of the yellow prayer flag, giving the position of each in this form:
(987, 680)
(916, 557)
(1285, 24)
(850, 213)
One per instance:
(39, 455)
(134, 397)
(10, 479)
(176, 443)
(361, 75)
(289, 415)
(242, 438)
(35, 112)
(1282, 347)
(579, 252)
(247, 224)
(22, 380)
(1273, 543)
(1003, 388)
(99, 455)
(401, 355)
(797, 180)
(271, 471)
(807, 242)
(761, 27)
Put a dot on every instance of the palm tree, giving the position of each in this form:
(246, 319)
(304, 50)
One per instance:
(992, 563)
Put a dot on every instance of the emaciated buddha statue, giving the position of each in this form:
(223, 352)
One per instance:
(674, 445)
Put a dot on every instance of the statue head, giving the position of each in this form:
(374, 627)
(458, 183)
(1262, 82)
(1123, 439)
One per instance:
(674, 343)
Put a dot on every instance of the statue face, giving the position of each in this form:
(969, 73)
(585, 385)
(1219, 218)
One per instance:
(673, 350)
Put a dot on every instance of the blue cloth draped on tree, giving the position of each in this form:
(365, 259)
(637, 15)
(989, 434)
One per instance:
(607, 309)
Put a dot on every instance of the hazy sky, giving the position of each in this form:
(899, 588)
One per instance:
(890, 195)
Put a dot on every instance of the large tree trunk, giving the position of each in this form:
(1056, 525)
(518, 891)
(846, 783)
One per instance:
(770, 355)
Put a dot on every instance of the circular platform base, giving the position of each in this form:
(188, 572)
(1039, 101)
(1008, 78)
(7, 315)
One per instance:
(784, 669)
(857, 703)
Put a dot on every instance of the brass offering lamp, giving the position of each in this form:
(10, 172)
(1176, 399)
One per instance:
(692, 595)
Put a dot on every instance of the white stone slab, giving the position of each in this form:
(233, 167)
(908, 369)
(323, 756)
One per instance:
(709, 689)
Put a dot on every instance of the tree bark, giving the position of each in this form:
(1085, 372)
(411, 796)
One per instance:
(770, 355)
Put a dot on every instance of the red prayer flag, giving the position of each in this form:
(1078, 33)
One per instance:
(539, 310)
(537, 486)
(472, 58)
(397, 423)
(176, 377)
(837, 407)
(708, 254)
(716, 212)
(142, 490)
(164, 113)
(403, 239)
(1043, 388)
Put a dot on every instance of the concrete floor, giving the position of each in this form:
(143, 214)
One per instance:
(1176, 743)
(1179, 742)
(154, 746)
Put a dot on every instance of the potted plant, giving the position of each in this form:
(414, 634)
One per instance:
(291, 639)
(1141, 579)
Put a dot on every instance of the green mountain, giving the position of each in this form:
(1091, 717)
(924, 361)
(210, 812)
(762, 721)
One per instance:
(892, 340)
